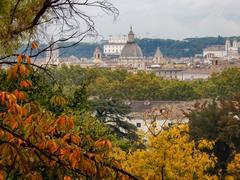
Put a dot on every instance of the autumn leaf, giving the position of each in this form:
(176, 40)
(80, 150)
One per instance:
(70, 123)
(42, 145)
(19, 59)
(34, 45)
(2, 175)
(67, 178)
(75, 139)
(14, 124)
(25, 84)
(28, 59)
(52, 146)
(61, 122)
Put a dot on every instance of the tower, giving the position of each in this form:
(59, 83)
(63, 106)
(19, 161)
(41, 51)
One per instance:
(158, 57)
(131, 35)
(97, 56)
(227, 45)
(235, 43)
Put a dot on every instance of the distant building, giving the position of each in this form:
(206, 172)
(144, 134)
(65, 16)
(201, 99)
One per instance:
(97, 56)
(224, 52)
(114, 46)
(131, 56)
(161, 113)
(158, 58)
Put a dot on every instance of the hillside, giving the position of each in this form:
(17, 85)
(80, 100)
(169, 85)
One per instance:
(170, 48)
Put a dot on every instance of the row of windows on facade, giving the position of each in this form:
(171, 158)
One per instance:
(112, 46)
(111, 50)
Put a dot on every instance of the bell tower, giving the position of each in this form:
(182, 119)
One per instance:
(97, 56)
(131, 35)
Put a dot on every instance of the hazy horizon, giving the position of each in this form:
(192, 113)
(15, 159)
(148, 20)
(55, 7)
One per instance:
(172, 19)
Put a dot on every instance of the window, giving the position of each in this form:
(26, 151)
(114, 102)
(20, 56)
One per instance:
(138, 125)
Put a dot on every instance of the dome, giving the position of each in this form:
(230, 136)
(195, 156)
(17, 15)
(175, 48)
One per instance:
(131, 50)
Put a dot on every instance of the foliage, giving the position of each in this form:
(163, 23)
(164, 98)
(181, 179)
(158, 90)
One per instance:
(234, 167)
(218, 121)
(170, 155)
(36, 143)
(226, 84)
(112, 112)
(18, 20)
(120, 84)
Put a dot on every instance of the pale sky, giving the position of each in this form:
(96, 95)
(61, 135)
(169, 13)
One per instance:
(174, 19)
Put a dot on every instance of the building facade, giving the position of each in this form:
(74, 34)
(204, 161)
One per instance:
(225, 52)
(114, 46)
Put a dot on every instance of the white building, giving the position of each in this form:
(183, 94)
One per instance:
(114, 46)
(160, 114)
(226, 52)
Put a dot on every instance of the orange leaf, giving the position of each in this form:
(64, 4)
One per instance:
(25, 84)
(1, 133)
(42, 145)
(20, 95)
(75, 140)
(14, 124)
(9, 136)
(20, 142)
(63, 152)
(23, 70)
(52, 146)
(70, 123)
(52, 163)
(29, 119)
(2, 175)
(109, 144)
(2, 96)
(19, 59)
(74, 159)
(28, 59)
(67, 178)
(24, 112)
(62, 121)
(34, 45)
(100, 143)
(14, 70)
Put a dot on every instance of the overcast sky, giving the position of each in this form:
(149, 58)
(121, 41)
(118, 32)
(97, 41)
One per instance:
(174, 19)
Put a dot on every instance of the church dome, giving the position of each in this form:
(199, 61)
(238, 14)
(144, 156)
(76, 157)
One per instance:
(131, 49)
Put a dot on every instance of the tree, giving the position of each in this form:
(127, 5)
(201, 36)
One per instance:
(35, 143)
(169, 155)
(234, 167)
(24, 21)
(112, 112)
(219, 122)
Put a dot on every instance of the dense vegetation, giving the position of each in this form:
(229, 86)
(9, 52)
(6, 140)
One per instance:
(120, 84)
(170, 48)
